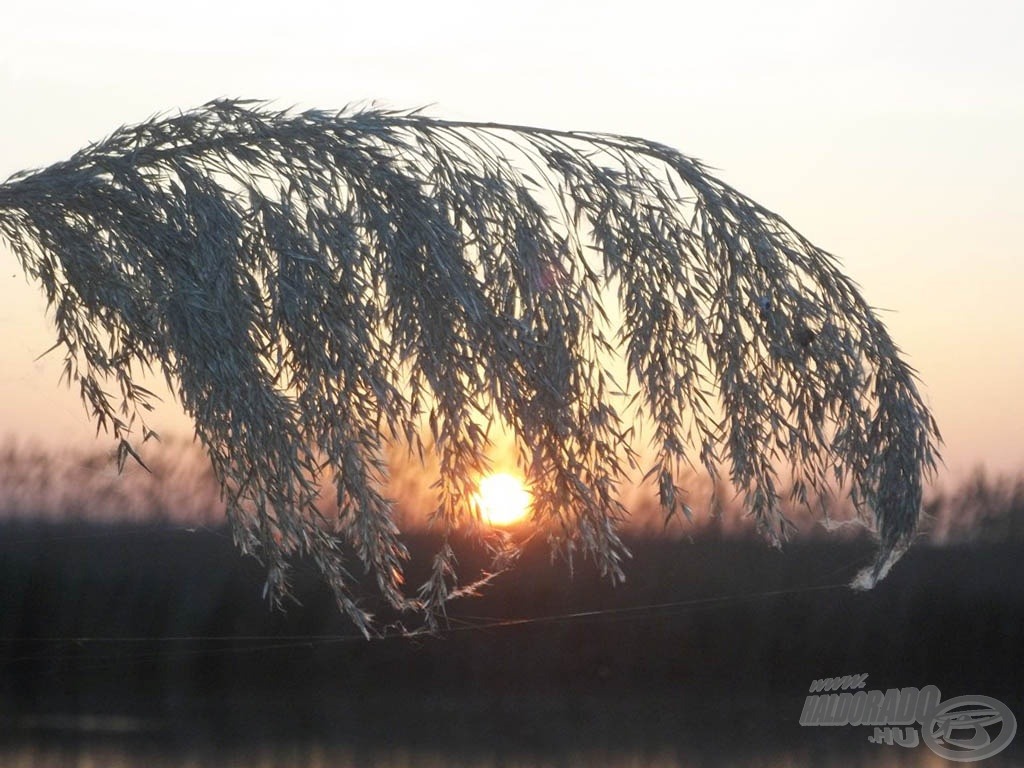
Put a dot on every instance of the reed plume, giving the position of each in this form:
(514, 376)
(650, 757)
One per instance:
(316, 285)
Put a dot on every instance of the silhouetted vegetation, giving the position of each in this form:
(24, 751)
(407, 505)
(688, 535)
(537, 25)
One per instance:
(84, 485)
(982, 508)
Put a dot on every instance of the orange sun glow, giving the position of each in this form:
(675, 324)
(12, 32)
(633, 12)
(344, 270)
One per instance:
(502, 499)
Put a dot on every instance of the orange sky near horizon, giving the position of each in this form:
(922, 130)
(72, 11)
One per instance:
(887, 135)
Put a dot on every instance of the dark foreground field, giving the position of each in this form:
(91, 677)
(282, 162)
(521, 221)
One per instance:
(158, 638)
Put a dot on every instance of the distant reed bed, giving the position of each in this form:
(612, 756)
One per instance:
(84, 484)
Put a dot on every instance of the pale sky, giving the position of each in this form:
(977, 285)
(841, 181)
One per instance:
(888, 132)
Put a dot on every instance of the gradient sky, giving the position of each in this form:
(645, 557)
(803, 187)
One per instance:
(887, 132)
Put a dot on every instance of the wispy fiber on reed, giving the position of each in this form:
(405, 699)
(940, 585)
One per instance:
(316, 284)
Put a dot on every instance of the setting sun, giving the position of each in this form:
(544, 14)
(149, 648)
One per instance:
(502, 499)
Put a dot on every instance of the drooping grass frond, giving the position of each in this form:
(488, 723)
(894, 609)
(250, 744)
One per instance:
(315, 284)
